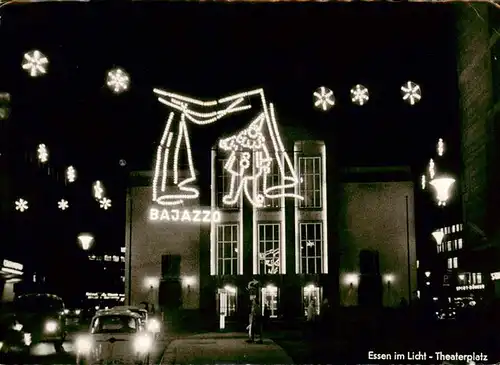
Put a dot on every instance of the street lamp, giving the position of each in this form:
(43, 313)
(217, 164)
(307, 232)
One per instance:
(442, 185)
(86, 240)
(438, 236)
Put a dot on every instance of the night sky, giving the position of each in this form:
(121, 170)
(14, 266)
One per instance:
(207, 51)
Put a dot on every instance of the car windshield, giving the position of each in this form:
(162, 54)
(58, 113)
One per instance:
(38, 303)
(114, 324)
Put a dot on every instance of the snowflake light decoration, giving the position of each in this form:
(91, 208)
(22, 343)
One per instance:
(411, 93)
(118, 80)
(35, 63)
(324, 98)
(359, 95)
(43, 153)
(70, 174)
(63, 204)
(21, 205)
(105, 203)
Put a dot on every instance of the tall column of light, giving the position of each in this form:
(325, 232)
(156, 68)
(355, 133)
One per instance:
(213, 227)
(324, 207)
(240, 240)
(255, 230)
(283, 227)
(296, 211)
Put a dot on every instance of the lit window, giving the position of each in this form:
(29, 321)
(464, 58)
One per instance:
(224, 184)
(269, 248)
(107, 258)
(455, 262)
(461, 226)
(311, 242)
(269, 298)
(450, 263)
(418, 264)
(312, 292)
(116, 258)
(123, 278)
(439, 248)
(122, 250)
(448, 246)
(273, 179)
(122, 258)
(476, 278)
(310, 182)
(460, 243)
(453, 228)
(227, 247)
(226, 300)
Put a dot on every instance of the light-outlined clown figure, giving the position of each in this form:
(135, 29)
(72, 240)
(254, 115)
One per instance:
(252, 152)
(248, 162)
(171, 184)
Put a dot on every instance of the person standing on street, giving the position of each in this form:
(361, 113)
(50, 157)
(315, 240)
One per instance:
(255, 322)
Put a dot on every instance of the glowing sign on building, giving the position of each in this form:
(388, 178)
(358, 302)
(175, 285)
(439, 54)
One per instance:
(184, 215)
(252, 151)
(495, 275)
(470, 287)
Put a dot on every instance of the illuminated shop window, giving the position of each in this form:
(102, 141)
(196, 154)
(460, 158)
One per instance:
(269, 298)
(310, 182)
(311, 292)
(269, 248)
(311, 243)
(227, 249)
(226, 300)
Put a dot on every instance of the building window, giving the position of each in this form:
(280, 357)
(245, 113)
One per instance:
(450, 263)
(107, 258)
(311, 241)
(477, 278)
(269, 299)
(461, 226)
(272, 179)
(455, 262)
(226, 300)
(460, 243)
(227, 248)
(312, 293)
(453, 228)
(224, 185)
(269, 248)
(310, 182)
(448, 245)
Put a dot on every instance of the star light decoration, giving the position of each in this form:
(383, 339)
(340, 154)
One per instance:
(359, 95)
(118, 80)
(63, 204)
(105, 203)
(21, 205)
(42, 153)
(324, 98)
(411, 93)
(35, 63)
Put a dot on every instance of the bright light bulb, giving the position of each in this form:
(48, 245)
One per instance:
(359, 95)
(118, 80)
(432, 168)
(438, 236)
(86, 240)
(411, 93)
(442, 186)
(440, 147)
(35, 63)
(324, 98)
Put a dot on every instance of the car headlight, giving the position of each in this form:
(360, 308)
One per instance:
(153, 325)
(83, 345)
(50, 326)
(143, 343)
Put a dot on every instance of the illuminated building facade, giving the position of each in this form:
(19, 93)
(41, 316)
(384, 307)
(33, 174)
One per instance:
(283, 243)
(378, 263)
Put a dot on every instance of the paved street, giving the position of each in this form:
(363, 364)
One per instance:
(45, 354)
(223, 348)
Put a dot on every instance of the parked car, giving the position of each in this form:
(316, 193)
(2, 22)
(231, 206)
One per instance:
(42, 315)
(13, 336)
(151, 323)
(115, 336)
